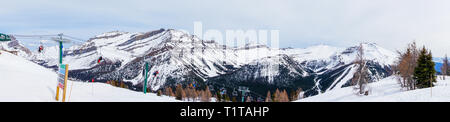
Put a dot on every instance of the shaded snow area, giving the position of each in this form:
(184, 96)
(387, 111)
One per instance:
(387, 90)
(24, 81)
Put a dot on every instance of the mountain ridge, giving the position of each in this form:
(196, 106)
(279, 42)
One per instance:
(183, 58)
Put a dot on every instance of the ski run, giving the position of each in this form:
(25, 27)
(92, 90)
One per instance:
(25, 81)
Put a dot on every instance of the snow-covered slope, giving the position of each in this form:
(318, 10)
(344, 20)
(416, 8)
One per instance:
(387, 90)
(25, 81)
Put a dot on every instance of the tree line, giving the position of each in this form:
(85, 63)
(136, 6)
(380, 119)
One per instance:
(190, 93)
(415, 68)
(282, 96)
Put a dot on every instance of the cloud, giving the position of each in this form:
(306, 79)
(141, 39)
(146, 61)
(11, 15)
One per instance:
(302, 23)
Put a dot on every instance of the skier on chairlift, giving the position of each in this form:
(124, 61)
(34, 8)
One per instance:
(155, 73)
(99, 59)
(41, 48)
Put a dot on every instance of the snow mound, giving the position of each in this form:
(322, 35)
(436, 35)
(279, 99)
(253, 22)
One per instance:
(25, 81)
(387, 90)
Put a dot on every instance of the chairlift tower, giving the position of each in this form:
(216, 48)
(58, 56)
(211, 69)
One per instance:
(244, 90)
(61, 40)
(4, 37)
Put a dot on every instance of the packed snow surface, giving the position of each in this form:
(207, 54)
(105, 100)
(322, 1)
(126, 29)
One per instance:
(25, 81)
(387, 90)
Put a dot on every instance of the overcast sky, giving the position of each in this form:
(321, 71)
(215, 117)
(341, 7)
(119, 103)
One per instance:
(302, 23)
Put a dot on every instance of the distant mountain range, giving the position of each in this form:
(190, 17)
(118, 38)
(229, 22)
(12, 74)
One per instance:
(181, 58)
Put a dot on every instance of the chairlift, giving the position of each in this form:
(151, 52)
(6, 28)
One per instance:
(99, 52)
(41, 47)
(99, 59)
(155, 73)
(4, 37)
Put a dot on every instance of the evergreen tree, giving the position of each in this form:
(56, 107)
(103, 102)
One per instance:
(424, 72)
(159, 93)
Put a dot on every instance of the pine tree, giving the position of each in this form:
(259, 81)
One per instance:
(167, 91)
(295, 95)
(208, 94)
(159, 93)
(188, 93)
(424, 72)
(205, 95)
(191, 93)
(276, 96)
(226, 98)
(284, 96)
(405, 66)
(232, 99)
(179, 92)
(268, 97)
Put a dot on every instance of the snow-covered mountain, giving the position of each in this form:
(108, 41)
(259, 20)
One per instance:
(315, 69)
(183, 58)
(16, 46)
(438, 63)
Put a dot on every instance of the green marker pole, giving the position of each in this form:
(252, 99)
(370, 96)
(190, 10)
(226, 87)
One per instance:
(60, 52)
(145, 80)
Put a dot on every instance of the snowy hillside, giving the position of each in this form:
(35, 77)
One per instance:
(25, 81)
(387, 90)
